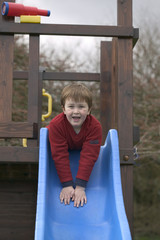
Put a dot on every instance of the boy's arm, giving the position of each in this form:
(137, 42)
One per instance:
(89, 155)
(60, 155)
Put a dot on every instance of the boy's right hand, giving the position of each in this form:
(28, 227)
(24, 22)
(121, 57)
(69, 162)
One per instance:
(66, 194)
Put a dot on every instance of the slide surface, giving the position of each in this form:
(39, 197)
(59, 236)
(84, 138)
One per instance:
(103, 217)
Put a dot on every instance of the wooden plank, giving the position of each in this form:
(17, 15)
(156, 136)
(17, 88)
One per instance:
(125, 93)
(125, 119)
(17, 233)
(18, 130)
(71, 76)
(18, 171)
(6, 65)
(68, 30)
(127, 185)
(106, 88)
(19, 154)
(124, 13)
(17, 209)
(63, 76)
(39, 96)
(125, 104)
(114, 95)
(33, 79)
(20, 75)
(6, 56)
(34, 85)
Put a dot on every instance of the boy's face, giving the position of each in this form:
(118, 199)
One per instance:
(76, 113)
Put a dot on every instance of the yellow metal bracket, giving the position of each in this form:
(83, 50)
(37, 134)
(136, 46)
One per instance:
(44, 116)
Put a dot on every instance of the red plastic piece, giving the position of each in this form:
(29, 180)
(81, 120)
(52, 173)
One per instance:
(17, 9)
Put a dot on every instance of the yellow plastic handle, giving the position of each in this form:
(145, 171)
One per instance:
(44, 116)
(44, 93)
(24, 142)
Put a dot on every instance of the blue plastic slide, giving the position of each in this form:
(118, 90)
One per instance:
(102, 218)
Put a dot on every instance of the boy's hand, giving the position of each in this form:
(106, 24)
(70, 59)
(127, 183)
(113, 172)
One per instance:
(66, 194)
(79, 196)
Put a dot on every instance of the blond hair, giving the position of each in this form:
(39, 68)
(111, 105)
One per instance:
(77, 92)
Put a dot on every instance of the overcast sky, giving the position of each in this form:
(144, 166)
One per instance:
(96, 12)
(92, 11)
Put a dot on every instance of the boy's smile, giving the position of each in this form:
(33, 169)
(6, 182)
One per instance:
(76, 113)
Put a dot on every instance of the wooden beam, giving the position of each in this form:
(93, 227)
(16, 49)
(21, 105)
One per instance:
(124, 13)
(19, 154)
(18, 130)
(34, 86)
(125, 93)
(33, 79)
(114, 84)
(106, 88)
(71, 76)
(20, 75)
(63, 76)
(68, 30)
(6, 65)
(125, 105)
(18, 209)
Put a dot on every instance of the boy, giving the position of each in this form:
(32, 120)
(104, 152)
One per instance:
(75, 128)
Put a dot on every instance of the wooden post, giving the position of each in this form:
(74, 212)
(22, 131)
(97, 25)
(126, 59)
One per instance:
(108, 86)
(6, 72)
(105, 88)
(114, 84)
(125, 106)
(34, 85)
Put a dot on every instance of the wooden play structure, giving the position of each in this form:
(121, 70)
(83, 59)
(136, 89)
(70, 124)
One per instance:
(18, 174)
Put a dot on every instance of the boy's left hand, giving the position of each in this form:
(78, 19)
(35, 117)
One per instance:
(79, 196)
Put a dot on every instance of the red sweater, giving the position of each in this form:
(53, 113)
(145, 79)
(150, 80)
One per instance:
(62, 137)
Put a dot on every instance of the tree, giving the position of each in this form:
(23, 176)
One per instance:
(146, 116)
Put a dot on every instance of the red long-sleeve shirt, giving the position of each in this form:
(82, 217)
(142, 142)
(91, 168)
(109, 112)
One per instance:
(62, 137)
